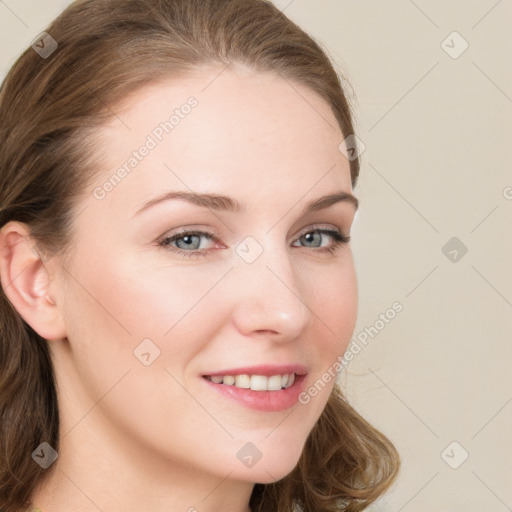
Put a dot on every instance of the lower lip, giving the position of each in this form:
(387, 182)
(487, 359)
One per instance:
(268, 401)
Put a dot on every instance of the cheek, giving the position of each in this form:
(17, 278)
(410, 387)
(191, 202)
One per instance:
(133, 301)
(114, 308)
(118, 311)
(333, 301)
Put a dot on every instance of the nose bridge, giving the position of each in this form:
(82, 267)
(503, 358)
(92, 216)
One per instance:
(269, 292)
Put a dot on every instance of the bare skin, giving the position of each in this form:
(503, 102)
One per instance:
(158, 438)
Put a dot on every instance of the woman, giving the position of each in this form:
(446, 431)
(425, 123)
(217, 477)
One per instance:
(177, 281)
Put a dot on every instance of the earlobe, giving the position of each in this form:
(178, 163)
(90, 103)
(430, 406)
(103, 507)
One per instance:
(26, 282)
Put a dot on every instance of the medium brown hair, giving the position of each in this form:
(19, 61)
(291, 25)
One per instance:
(49, 107)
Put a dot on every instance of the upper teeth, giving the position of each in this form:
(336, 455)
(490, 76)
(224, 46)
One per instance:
(256, 382)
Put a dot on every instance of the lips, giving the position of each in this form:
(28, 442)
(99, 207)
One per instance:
(263, 387)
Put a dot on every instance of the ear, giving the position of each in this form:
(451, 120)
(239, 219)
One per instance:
(27, 283)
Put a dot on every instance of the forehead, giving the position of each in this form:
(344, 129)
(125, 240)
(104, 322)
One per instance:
(223, 130)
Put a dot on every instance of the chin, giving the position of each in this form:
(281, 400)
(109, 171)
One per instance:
(271, 469)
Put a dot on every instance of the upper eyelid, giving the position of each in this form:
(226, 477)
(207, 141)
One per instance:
(327, 227)
(203, 232)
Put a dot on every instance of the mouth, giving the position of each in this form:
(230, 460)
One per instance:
(255, 382)
(263, 388)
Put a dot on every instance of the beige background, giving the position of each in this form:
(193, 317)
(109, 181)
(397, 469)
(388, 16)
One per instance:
(437, 164)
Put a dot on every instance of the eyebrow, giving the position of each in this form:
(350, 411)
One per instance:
(226, 203)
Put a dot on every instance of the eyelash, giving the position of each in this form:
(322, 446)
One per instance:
(339, 239)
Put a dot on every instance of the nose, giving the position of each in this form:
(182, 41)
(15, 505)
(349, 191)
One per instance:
(271, 299)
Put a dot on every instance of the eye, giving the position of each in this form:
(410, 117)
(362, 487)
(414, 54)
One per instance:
(188, 243)
(188, 240)
(315, 237)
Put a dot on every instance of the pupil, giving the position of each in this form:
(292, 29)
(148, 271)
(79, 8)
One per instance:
(310, 237)
(187, 240)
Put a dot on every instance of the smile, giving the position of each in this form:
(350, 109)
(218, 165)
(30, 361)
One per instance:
(255, 382)
(263, 388)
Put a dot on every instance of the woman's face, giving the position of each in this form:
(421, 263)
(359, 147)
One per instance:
(150, 311)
